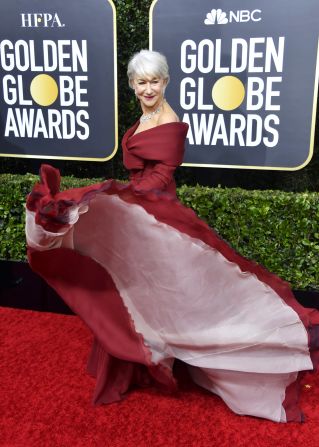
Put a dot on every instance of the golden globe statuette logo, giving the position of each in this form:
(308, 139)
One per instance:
(44, 90)
(228, 93)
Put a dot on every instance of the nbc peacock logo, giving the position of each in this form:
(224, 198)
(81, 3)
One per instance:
(216, 16)
(220, 17)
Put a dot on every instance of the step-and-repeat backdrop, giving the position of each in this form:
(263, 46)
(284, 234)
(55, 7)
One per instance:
(58, 95)
(244, 76)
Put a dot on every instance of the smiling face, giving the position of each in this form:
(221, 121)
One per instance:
(150, 92)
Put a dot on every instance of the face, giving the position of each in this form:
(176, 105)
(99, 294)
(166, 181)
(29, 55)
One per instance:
(149, 91)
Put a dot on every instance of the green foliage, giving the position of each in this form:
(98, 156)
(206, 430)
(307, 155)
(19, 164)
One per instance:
(277, 229)
(12, 199)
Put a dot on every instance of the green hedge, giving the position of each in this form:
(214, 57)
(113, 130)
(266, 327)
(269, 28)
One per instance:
(277, 229)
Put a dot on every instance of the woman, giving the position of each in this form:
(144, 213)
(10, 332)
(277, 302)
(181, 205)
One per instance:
(155, 283)
(153, 169)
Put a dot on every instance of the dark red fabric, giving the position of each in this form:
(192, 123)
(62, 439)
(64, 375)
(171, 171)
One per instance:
(153, 155)
(118, 354)
(291, 401)
(164, 143)
(114, 375)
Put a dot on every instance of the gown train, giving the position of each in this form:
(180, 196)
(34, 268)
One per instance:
(154, 283)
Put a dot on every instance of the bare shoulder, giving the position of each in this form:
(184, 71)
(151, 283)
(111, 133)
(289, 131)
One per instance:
(167, 116)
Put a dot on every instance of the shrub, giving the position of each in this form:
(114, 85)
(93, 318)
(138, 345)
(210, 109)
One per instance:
(277, 229)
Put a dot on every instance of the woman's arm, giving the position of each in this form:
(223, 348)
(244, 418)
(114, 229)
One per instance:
(159, 178)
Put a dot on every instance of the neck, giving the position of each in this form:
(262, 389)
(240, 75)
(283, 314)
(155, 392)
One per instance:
(146, 110)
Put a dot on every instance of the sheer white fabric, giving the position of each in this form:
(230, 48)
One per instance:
(189, 302)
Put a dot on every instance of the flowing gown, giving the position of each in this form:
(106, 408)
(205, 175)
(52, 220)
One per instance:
(154, 283)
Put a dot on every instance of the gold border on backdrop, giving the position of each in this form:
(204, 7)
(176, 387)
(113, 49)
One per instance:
(264, 168)
(54, 157)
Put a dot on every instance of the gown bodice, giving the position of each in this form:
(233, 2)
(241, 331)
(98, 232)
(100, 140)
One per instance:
(152, 155)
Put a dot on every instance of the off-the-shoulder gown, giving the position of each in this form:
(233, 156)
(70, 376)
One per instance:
(154, 283)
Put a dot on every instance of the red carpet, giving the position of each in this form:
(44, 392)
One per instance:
(46, 399)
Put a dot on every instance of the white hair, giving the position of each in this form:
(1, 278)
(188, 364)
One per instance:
(147, 63)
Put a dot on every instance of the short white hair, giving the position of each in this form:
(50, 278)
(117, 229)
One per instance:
(147, 63)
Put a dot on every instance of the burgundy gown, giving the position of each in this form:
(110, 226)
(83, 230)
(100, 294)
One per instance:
(154, 283)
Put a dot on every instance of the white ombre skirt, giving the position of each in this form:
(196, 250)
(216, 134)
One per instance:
(154, 283)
